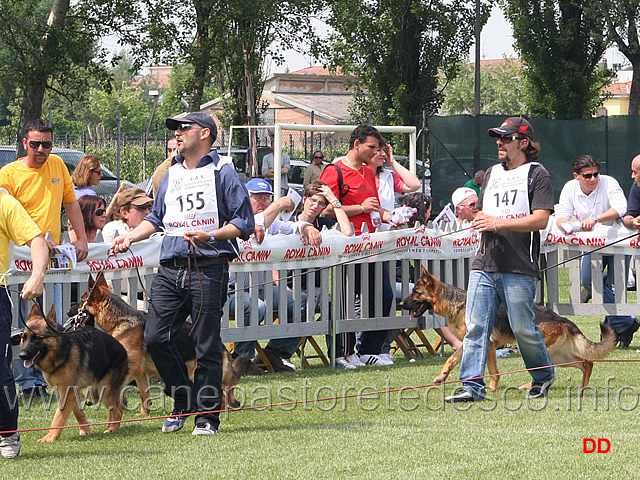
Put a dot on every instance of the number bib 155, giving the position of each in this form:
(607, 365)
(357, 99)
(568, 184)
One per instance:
(191, 200)
(507, 192)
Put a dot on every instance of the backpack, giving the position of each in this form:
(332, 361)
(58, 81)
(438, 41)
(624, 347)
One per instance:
(343, 188)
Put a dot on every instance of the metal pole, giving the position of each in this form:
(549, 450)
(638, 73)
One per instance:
(118, 147)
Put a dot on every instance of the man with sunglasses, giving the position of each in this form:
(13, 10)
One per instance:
(41, 182)
(592, 198)
(313, 171)
(200, 199)
(465, 201)
(515, 202)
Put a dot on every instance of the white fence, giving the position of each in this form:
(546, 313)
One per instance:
(446, 254)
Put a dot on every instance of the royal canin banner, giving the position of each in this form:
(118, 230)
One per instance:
(288, 251)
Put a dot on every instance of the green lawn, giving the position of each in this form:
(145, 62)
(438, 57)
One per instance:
(396, 435)
(373, 437)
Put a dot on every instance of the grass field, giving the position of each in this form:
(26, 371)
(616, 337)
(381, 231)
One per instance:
(412, 433)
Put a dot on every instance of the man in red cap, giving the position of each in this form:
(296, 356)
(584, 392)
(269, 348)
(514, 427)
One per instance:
(515, 203)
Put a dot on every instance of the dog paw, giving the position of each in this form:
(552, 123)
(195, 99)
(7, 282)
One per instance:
(48, 438)
(526, 386)
(84, 431)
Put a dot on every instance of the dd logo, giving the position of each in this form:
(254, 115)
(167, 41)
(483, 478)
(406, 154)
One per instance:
(589, 445)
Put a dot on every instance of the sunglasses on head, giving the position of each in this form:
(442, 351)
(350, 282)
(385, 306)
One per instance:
(509, 138)
(100, 211)
(589, 175)
(35, 144)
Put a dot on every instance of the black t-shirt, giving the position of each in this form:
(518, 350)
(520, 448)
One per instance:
(516, 252)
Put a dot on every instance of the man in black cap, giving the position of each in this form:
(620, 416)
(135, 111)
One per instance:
(515, 202)
(200, 199)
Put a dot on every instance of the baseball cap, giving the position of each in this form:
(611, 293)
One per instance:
(203, 119)
(461, 194)
(258, 185)
(512, 125)
(133, 196)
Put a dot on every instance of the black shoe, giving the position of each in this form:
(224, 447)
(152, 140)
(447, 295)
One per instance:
(462, 396)
(279, 363)
(39, 391)
(539, 389)
(625, 337)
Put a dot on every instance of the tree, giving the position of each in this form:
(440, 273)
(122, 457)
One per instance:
(51, 45)
(228, 45)
(623, 18)
(397, 50)
(561, 42)
(501, 91)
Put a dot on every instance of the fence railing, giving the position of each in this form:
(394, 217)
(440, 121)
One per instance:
(328, 304)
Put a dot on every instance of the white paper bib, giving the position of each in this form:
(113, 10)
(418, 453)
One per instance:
(190, 200)
(507, 192)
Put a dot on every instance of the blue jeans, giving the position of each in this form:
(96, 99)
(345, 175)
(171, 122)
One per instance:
(485, 293)
(8, 399)
(619, 323)
(286, 346)
(177, 295)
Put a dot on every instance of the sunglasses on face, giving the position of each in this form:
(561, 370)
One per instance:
(99, 172)
(100, 211)
(509, 138)
(589, 175)
(471, 205)
(35, 144)
(183, 127)
(142, 208)
(320, 157)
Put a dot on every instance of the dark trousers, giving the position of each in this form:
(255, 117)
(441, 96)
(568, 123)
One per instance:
(371, 341)
(8, 398)
(176, 294)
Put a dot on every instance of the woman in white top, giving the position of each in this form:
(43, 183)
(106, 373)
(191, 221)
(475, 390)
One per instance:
(389, 182)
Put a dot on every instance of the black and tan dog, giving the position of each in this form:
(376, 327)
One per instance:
(126, 324)
(563, 338)
(83, 359)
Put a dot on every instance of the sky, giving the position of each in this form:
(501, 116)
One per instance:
(496, 40)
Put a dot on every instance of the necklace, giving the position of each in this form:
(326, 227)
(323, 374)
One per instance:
(358, 171)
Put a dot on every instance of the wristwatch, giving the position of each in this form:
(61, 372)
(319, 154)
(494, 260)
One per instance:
(336, 204)
(212, 237)
(596, 219)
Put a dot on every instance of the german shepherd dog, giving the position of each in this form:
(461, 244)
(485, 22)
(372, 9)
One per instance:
(564, 340)
(84, 358)
(126, 324)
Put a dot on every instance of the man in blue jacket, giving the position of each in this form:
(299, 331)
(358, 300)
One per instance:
(200, 199)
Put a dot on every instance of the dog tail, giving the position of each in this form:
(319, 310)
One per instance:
(596, 351)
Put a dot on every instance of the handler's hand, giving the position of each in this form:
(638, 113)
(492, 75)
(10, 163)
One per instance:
(119, 244)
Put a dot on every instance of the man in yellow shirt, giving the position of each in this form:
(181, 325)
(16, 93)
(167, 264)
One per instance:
(42, 184)
(16, 225)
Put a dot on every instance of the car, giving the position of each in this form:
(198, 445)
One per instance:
(107, 187)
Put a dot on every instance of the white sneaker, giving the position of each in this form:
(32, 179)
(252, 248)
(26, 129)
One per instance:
(287, 363)
(342, 362)
(10, 446)
(374, 360)
(386, 357)
(354, 360)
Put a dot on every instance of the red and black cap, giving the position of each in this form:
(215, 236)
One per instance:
(512, 125)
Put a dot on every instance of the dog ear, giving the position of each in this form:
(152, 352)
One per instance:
(90, 282)
(51, 317)
(423, 271)
(101, 281)
(35, 310)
